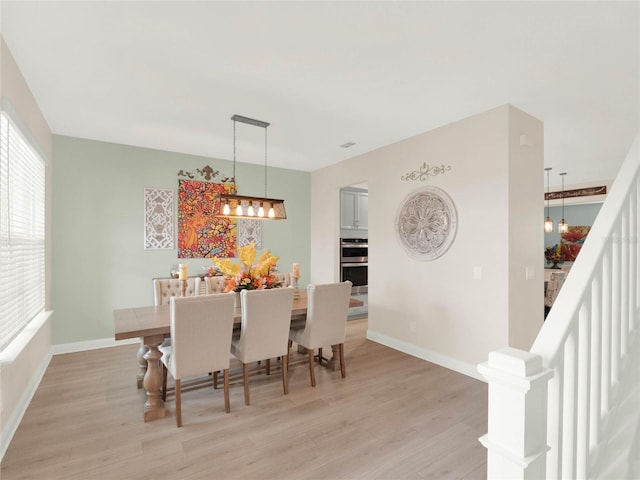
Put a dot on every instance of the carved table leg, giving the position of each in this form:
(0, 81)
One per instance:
(141, 362)
(154, 406)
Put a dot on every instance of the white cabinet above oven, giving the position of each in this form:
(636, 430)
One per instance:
(354, 209)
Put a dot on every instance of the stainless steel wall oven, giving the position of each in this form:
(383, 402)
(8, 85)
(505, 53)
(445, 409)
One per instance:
(354, 263)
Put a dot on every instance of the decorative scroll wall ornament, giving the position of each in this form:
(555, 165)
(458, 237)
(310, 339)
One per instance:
(249, 231)
(207, 173)
(425, 172)
(578, 192)
(426, 223)
(158, 218)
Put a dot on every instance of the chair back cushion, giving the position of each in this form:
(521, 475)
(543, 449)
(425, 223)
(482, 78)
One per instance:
(201, 329)
(284, 279)
(165, 288)
(327, 314)
(266, 317)
(215, 284)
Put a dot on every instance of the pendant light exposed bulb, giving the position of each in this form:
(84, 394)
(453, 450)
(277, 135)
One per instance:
(548, 225)
(260, 211)
(250, 211)
(563, 226)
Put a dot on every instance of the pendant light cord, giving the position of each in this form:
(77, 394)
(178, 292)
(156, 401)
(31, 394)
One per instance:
(265, 161)
(563, 174)
(235, 187)
(548, 192)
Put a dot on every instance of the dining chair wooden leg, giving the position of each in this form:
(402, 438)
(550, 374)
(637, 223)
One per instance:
(320, 356)
(343, 369)
(245, 373)
(268, 362)
(178, 405)
(285, 374)
(164, 383)
(311, 367)
(215, 380)
(227, 407)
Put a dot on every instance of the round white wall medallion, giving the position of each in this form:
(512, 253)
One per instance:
(426, 223)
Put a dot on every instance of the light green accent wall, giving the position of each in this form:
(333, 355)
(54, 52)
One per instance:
(575, 215)
(99, 261)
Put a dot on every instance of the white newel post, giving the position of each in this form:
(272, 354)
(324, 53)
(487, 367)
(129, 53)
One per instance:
(517, 422)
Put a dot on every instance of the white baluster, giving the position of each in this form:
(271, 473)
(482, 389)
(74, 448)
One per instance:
(569, 406)
(596, 359)
(606, 328)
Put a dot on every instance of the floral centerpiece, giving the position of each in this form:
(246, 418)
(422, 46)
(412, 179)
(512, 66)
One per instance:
(553, 255)
(246, 275)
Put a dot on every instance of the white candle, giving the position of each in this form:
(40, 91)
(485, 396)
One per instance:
(296, 269)
(183, 272)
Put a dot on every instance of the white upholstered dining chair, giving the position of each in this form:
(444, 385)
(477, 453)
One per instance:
(266, 317)
(326, 322)
(284, 279)
(201, 330)
(165, 288)
(215, 284)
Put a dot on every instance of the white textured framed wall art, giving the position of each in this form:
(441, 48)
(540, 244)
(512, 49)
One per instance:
(249, 231)
(426, 223)
(158, 218)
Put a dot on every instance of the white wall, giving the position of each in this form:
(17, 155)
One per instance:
(24, 361)
(496, 185)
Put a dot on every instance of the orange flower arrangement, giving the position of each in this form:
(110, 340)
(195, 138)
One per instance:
(247, 276)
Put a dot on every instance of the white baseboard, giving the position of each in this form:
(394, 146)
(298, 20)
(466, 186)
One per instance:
(465, 368)
(90, 345)
(13, 422)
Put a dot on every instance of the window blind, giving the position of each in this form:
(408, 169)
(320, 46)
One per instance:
(22, 231)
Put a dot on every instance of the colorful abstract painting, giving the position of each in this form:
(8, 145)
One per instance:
(200, 234)
(572, 241)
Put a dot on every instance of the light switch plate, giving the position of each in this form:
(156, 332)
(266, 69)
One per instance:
(529, 273)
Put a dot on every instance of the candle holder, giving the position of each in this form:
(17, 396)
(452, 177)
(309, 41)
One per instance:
(183, 286)
(294, 283)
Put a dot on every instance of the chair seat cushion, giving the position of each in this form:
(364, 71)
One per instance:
(166, 355)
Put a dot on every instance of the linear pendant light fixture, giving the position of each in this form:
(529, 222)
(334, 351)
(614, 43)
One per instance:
(548, 223)
(242, 206)
(563, 227)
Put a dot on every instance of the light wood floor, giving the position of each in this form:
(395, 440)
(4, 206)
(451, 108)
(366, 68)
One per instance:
(393, 417)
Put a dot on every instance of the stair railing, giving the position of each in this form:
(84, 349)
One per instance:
(548, 408)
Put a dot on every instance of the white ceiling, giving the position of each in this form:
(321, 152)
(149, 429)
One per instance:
(169, 75)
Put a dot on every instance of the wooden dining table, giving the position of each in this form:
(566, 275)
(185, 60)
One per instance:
(151, 324)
